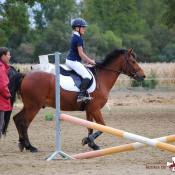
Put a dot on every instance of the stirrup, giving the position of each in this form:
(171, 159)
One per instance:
(84, 98)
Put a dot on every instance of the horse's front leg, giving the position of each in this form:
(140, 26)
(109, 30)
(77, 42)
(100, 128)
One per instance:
(92, 136)
(90, 131)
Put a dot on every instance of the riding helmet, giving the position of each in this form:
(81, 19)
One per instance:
(78, 22)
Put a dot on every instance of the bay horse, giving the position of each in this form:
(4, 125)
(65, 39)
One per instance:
(37, 89)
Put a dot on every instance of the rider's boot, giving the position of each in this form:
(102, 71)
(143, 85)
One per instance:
(83, 95)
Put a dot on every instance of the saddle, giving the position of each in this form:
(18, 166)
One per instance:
(71, 81)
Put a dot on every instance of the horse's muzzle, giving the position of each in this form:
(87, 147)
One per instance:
(139, 77)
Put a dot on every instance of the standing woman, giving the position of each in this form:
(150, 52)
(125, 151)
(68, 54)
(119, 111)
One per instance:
(5, 104)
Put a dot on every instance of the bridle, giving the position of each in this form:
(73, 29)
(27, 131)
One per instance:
(128, 69)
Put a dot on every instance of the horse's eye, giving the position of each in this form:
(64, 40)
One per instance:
(133, 62)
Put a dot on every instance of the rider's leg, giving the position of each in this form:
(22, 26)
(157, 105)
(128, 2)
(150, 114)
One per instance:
(79, 68)
(83, 72)
(83, 90)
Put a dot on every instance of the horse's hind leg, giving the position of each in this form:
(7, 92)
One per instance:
(22, 123)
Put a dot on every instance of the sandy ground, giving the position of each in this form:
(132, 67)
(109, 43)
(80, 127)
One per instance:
(148, 113)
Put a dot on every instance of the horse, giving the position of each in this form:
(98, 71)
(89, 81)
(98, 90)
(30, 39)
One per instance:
(15, 78)
(37, 90)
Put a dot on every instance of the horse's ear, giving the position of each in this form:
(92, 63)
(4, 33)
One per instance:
(130, 50)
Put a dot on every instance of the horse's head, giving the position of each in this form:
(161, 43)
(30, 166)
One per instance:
(12, 72)
(122, 61)
(130, 66)
(15, 78)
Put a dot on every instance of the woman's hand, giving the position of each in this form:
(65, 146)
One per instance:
(84, 57)
(92, 62)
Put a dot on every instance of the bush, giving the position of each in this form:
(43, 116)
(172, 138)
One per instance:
(149, 83)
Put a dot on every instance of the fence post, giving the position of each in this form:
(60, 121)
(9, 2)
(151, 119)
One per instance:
(58, 150)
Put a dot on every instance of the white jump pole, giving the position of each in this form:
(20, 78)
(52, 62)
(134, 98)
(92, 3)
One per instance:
(58, 150)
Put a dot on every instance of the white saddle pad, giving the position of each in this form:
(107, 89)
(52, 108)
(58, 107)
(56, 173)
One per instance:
(66, 82)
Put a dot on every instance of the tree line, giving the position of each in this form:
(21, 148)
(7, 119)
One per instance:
(31, 28)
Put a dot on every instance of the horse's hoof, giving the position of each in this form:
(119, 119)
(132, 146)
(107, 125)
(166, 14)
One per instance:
(32, 149)
(21, 147)
(93, 146)
(85, 141)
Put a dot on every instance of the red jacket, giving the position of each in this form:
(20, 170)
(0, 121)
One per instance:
(4, 90)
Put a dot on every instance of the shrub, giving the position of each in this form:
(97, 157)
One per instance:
(149, 83)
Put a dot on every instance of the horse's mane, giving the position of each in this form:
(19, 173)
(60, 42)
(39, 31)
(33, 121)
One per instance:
(110, 57)
(15, 78)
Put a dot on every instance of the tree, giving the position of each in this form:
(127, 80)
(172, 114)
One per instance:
(119, 16)
(151, 11)
(53, 30)
(58, 9)
(31, 2)
(169, 15)
(98, 43)
(3, 38)
(112, 23)
(14, 23)
(140, 45)
(168, 52)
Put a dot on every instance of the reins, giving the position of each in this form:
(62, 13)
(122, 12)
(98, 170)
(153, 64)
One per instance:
(111, 70)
